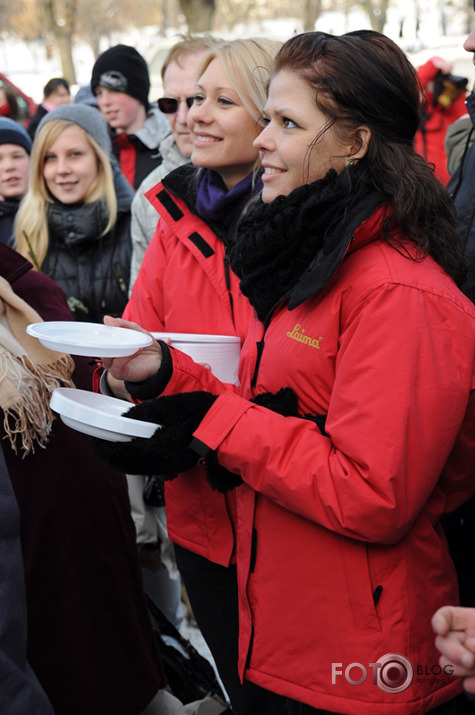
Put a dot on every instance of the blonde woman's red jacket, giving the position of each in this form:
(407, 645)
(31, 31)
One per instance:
(185, 285)
(341, 558)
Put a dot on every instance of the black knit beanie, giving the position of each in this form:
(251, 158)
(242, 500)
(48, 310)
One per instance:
(123, 69)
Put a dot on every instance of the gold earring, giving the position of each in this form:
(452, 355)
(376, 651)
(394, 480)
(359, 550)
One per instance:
(351, 162)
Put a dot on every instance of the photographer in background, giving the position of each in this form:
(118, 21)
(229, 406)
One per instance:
(444, 104)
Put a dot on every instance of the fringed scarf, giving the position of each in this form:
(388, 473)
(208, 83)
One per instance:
(29, 373)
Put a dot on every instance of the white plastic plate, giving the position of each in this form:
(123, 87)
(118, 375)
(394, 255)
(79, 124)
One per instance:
(98, 415)
(89, 339)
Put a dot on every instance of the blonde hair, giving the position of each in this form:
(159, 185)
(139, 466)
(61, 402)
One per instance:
(247, 64)
(31, 222)
(188, 45)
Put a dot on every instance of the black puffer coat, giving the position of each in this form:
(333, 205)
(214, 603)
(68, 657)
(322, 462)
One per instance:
(92, 270)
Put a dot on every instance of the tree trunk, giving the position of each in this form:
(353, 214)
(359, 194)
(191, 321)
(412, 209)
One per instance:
(377, 13)
(63, 34)
(199, 14)
(311, 13)
(468, 16)
(64, 44)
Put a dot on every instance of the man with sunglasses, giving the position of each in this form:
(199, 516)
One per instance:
(121, 83)
(179, 74)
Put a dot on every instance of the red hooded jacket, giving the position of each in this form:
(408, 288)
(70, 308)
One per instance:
(341, 558)
(184, 285)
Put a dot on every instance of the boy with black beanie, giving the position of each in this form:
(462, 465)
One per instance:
(120, 80)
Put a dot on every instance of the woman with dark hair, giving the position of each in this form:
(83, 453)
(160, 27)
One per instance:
(367, 346)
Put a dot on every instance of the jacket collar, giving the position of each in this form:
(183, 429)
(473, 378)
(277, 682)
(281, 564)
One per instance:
(363, 228)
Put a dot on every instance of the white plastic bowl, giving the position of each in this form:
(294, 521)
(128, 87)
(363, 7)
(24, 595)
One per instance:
(220, 352)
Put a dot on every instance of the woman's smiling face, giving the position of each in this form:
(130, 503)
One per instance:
(70, 166)
(287, 147)
(223, 130)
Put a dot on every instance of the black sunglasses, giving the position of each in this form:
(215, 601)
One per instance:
(169, 105)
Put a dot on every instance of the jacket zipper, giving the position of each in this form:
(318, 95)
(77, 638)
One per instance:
(260, 346)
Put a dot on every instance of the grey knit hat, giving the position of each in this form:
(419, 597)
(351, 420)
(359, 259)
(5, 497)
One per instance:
(84, 116)
(85, 95)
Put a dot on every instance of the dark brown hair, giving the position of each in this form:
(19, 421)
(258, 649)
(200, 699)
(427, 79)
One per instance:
(363, 78)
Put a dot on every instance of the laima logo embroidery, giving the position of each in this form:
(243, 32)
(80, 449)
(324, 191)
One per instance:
(298, 333)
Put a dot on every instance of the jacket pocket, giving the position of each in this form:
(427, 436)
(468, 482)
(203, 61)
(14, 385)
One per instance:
(363, 595)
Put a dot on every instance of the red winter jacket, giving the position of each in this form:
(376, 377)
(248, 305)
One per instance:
(430, 140)
(184, 286)
(341, 558)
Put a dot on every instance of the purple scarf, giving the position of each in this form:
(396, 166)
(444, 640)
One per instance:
(214, 203)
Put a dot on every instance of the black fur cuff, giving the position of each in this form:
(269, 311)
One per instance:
(155, 384)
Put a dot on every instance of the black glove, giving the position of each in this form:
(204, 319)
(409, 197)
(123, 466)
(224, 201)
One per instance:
(167, 451)
(219, 478)
(284, 402)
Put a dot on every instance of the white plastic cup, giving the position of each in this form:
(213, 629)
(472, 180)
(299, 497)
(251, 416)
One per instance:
(220, 352)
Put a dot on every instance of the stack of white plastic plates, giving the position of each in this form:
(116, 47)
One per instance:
(98, 415)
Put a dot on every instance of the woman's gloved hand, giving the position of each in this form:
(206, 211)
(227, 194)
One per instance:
(284, 402)
(167, 451)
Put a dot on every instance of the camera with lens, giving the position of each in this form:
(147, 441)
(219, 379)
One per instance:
(448, 88)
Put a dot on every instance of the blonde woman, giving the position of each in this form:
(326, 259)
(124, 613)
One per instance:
(185, 285)
(74, 221)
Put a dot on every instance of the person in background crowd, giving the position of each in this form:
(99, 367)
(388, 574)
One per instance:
(444, 104)
(74, 222)
(15, 148)
(458, 139)
(185, 285)
(179, 73)
(462, 188)
(454, 624)
(9, 104)
(55, 93)
(89, 636)
(367, 346)
(20, 691)
(121, 83)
